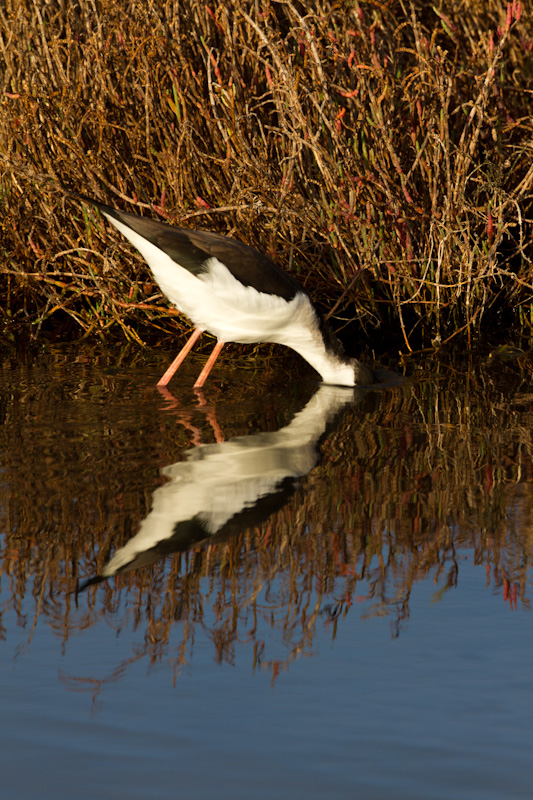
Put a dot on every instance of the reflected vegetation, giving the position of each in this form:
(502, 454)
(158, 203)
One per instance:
(303, 504)
(220, 490)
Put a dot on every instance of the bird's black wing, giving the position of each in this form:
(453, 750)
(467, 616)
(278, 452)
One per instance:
(191, 249)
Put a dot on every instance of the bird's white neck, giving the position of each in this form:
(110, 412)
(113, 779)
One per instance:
(331, 367)
(304, 333)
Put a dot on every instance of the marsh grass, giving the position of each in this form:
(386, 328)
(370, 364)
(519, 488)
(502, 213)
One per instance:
(381, 152)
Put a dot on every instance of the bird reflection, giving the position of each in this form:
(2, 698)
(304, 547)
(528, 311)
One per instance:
(223, 488)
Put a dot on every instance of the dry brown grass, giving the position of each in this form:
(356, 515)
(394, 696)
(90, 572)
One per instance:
(382, 152)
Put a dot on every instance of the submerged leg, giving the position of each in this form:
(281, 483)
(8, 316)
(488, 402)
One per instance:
(197, 332)
(208, 364)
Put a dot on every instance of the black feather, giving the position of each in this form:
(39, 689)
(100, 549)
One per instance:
(191, 249)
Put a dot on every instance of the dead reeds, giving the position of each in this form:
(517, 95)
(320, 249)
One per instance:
(382, 152)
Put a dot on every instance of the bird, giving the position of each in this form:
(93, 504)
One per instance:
(236, 293)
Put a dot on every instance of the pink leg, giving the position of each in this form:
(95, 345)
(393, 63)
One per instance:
(208, 364)
(197, 332)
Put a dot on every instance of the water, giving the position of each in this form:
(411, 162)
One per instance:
(270, 590)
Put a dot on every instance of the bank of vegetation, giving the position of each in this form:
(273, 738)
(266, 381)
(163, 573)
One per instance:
(382, 152)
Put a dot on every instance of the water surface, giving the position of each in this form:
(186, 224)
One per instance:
(270, 589)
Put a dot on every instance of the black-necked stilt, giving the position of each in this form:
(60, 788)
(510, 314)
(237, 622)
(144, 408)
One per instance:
(235, 293)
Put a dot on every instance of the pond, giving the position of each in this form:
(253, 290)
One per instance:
(271, 588)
